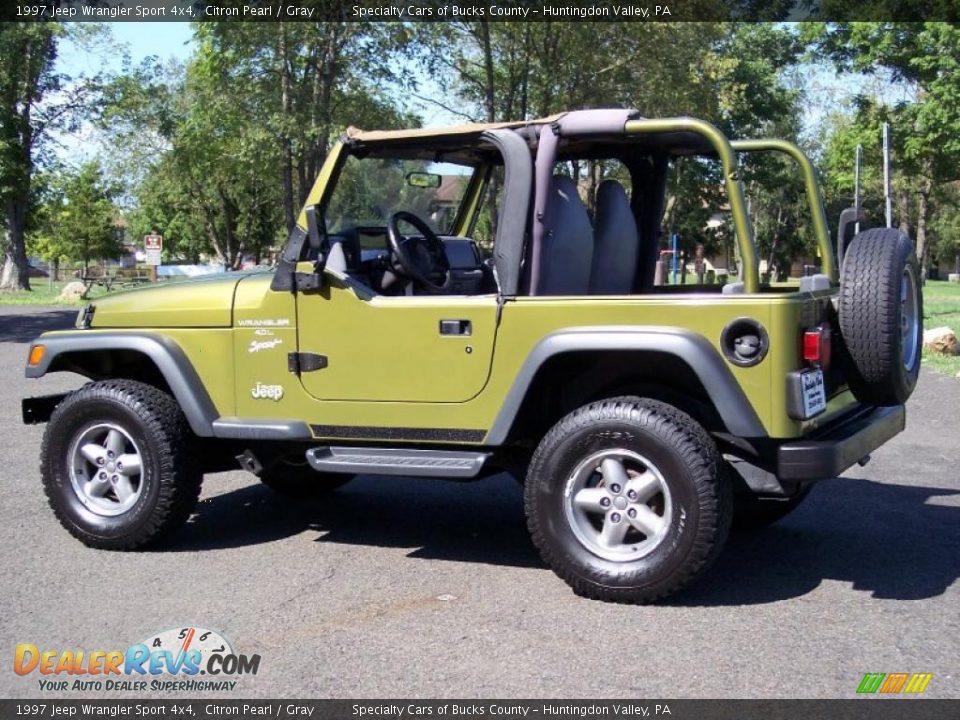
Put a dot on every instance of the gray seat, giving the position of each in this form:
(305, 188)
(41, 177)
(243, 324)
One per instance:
(616, 242)
(337, 258)
(568, 244)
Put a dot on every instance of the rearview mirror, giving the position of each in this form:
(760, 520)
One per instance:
(423, 179)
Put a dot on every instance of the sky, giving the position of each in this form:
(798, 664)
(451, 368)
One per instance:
(139, 39)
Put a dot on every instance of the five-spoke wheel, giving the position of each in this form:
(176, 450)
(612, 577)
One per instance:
(618, 504)
(105, 469)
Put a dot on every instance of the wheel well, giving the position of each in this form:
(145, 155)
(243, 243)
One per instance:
(569, 380)
(112, 363)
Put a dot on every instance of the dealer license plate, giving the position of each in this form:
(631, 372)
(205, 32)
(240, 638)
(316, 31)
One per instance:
(814, 392)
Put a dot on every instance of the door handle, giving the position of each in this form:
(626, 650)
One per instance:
(456, 327)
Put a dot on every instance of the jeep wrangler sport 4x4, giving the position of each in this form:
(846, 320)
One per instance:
(642, 418)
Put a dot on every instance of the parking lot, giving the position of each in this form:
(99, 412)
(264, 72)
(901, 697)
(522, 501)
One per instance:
(431, 589)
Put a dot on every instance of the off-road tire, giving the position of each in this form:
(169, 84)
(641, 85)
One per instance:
(755, 513)
(170, 475)
(690, 465)
(870, 312)
(297, 479)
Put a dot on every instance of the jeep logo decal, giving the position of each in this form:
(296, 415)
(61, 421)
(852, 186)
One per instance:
(264, 392)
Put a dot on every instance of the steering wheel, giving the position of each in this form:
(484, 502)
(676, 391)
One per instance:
(421, 258)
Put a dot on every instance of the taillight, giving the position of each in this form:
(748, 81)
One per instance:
(816, 345)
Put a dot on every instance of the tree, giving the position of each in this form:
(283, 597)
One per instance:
(303, 82)
(28, 51)
(83, 219)
(924, 57)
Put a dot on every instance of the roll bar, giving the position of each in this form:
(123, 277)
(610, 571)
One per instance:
(738, 206)
(814, 197)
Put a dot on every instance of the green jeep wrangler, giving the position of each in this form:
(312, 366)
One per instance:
(643, 418)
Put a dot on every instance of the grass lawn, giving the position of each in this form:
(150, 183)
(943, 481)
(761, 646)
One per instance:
(941, 306)
(43, 293)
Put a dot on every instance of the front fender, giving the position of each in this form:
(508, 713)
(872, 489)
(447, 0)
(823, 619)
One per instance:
(169, 358)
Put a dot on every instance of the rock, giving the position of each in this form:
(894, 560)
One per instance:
(73, 291)
(941, 340)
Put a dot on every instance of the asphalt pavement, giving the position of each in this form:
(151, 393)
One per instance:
(423, 588)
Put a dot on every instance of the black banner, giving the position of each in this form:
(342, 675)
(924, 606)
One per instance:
(857, 709)
(488, 10)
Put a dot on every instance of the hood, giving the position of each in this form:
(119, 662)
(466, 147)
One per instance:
(201, 302)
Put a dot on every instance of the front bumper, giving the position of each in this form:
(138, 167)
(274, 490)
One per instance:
(833, 449)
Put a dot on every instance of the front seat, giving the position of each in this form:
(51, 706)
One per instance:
(337, 258)
(616, 242)
(568, 243)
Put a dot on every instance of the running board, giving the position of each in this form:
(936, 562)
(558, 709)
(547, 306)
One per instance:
(397, 461)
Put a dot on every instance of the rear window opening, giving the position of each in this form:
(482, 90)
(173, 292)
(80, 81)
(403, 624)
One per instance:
(698, 247)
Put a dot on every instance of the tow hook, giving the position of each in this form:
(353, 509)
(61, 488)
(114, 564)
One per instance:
(863, 461)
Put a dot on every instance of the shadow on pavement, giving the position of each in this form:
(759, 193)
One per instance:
(477, 522)
(22, 328)
(883, 539)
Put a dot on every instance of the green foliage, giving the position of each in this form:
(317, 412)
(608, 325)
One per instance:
(80, 219)
(224, 150)
(925, 58)
(36, 101)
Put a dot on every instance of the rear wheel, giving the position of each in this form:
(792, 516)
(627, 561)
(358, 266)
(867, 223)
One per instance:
(294, 477)
(881, 316)
(627, 501)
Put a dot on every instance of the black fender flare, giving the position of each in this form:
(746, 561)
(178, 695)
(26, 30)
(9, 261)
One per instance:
(167, 355)
(724, 391)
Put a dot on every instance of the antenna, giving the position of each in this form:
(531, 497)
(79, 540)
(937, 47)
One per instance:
(887, 191)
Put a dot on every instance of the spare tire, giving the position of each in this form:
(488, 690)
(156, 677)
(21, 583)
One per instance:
(881, 316)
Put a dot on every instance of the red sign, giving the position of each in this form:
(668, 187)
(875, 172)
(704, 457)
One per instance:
(153, 242)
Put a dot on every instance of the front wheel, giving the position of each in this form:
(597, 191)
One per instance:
(118, 465)
(627, 500)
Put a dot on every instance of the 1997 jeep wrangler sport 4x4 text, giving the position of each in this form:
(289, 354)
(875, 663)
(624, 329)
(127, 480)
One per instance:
(642, 418)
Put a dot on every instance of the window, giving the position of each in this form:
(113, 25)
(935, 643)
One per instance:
(369, 190)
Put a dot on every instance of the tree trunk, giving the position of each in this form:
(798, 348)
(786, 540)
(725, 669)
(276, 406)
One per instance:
(903, 198)
(286, 146)
(16, 271)
(923, 202)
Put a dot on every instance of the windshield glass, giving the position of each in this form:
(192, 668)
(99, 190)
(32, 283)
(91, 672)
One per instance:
(370, 190)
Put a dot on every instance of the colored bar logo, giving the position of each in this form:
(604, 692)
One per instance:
(894, 683)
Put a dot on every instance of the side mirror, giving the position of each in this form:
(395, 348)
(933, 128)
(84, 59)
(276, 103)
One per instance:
(316, 240)
(288, 277)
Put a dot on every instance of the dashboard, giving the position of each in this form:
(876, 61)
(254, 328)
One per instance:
(368, 261)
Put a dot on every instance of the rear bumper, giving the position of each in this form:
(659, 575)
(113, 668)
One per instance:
(836, 447)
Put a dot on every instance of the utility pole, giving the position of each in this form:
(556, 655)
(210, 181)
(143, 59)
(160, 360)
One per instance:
(887, 188)
(856, 187)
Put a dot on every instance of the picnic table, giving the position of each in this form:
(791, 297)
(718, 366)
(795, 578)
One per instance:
(109, 281)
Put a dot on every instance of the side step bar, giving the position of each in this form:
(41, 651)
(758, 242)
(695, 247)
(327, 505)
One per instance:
(397, 461)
